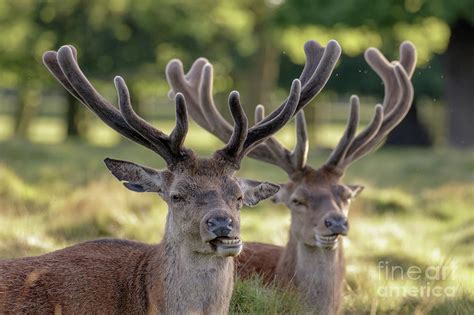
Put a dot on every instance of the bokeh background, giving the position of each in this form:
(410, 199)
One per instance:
(418, 206)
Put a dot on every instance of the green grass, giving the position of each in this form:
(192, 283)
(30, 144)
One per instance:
(417, 210)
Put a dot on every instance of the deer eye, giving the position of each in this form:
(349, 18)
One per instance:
(343, 193)
(240, 201)
(177, 198)
(297, 202)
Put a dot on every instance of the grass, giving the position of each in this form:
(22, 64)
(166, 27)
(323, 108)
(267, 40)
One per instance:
(417, 211)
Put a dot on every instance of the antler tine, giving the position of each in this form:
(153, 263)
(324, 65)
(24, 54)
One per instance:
(187, 84)
(243, 140)
(237, 139)
(136, 122)
(299, 154)
(273, 152)
(263, 130)
(347, 138)
(390, 120)
(314, 53)
(168, 147)
(63, 65)
(384, 70)
(318, 79)
(369, 132)
(397, 101)
(217, 124)
(99, 105)
(50, 60)
(320, 63)
(178, 135)
(408, 57)
(259, 113)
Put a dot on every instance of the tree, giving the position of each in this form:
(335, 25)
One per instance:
(429, 24)
(132, 38)
(19, 61)
(460, 82)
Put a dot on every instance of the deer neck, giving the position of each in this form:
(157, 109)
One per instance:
(189, 282)
(315, 272)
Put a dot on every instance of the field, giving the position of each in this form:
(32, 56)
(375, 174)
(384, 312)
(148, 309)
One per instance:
(417, 211)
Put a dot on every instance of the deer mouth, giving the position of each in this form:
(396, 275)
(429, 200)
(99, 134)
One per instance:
(327, 241)
(226, 246)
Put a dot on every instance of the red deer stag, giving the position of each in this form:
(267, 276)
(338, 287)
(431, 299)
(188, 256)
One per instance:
(312, 260)
(192, 269)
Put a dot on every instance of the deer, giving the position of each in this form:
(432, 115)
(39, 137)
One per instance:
(192, 269)
(312, 262)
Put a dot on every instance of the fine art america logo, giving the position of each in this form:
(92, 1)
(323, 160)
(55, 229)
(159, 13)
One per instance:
(430, 281)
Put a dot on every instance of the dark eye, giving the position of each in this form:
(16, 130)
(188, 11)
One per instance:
(240, 201)
(297, 202)
(345, 195)
(177, 198)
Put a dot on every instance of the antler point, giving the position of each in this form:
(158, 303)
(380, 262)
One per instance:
(334, 44)
(64, 48)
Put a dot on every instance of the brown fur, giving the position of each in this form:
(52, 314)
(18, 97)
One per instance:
(44, 283)
(313, 258)
(183, 274)
(258, 259)
(317, 273)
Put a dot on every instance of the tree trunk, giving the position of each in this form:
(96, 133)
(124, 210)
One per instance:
(410, 132)
(459, 88)
(262, 77)
(77, 121)
(72, 119)
(27, 107)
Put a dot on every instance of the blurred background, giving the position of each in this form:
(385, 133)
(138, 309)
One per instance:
(417, 208)
(256, 48)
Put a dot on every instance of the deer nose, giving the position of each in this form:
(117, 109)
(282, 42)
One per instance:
(337, 224)
(220, 226)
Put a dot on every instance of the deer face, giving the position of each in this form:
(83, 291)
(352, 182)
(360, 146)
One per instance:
(204, 200)
(319, 208)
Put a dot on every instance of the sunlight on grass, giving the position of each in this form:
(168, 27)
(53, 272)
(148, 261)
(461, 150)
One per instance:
(53, 130)
(47, 130)
(6, 126)
(416, 210)
(251, 297)
(266, 223)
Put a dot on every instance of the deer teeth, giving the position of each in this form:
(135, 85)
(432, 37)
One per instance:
(329, 238)
(229, 241)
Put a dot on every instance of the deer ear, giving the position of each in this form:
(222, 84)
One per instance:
(355, 190)
(136, 177)
(255, 191)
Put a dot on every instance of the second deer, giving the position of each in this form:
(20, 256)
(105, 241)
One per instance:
(313, 259)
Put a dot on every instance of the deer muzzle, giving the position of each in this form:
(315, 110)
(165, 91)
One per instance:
(222, 231)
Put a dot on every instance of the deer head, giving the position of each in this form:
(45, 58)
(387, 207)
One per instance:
(203, 194)
(318, 201)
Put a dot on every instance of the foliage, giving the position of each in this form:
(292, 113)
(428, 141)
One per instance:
(358, 24)
(137, 38)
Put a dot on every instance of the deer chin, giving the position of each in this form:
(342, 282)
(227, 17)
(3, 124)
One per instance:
(226, 246)
(329, 242)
